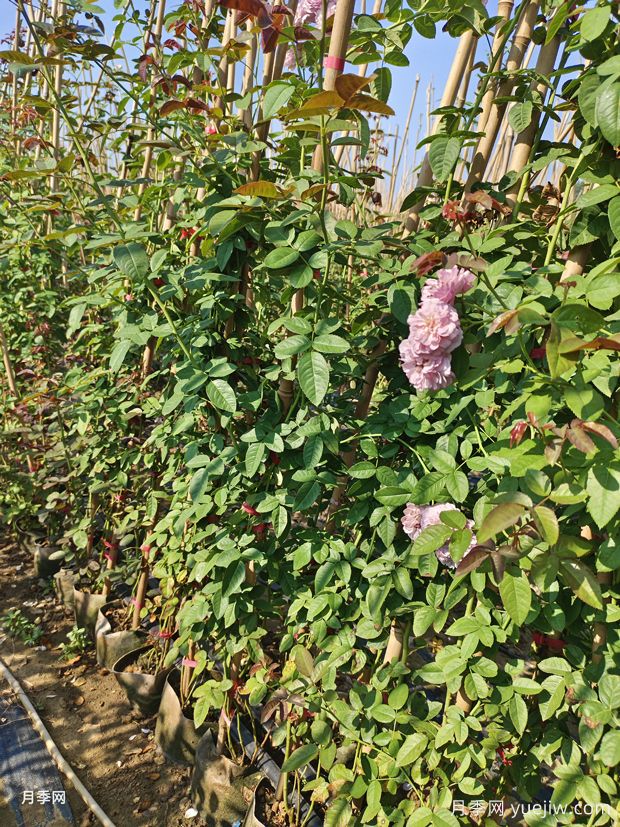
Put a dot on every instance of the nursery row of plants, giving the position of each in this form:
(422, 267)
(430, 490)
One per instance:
(340, 474)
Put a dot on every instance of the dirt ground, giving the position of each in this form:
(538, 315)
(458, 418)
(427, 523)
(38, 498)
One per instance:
(108, 745)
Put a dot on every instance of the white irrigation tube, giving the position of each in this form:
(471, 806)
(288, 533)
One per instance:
(53, 750)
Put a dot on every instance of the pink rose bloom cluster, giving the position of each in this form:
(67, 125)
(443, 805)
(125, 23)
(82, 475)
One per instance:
(418, 517)
(435, 331)
(308, 12)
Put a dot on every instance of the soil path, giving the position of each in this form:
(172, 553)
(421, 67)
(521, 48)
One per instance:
(110, 748)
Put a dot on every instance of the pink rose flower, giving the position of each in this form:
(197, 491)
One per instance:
(448, 285)
(416, 518)
(308, 12)
(311, 11)
(432, 373)
(434, 327)
(412, 520)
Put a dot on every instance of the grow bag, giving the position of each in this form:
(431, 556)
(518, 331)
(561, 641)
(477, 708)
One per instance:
(86, 609)
(175, 733)
(220, 788)
(251, 819)
(111, 645)
(143, 691)
(26, 766)
(64, 584)
(43, 565)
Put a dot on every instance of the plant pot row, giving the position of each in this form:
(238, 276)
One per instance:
(220, 788)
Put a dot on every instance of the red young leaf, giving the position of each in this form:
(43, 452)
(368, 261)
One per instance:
(171, 106)
(256, 8)
(600, 430)
(427, 262)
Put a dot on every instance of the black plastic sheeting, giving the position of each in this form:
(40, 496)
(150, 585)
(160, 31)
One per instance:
(27, 773)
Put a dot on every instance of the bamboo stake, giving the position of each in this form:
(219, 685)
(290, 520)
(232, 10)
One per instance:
(334, 64)
(457, 70)
(399, 158)
(8, 367)
(248, 75)
(15, 87)
(496, 113)
(504, 10)
(58, 9)
(520, 156)
(150, 134)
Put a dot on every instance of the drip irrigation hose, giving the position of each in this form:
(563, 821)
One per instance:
(53, 750)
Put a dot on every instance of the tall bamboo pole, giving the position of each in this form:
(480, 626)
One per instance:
(58, 9)
(467, 42)
(504, 10)
(150, 134)
(334, 64)
(520, 155)
(8, 367)
(495, 113)
(396, 166)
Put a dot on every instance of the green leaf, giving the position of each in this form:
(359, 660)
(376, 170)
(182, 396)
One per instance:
(234, 577)
(582, 581)
(132, 260)
(303, 661)
(329, 343)
(516, 595)
(558, 363)
(603, 487)
(609, 751)
(607, 111)
(584, 401)
(457, 486)
(300, 757)
(253, 457)
(362, 470)
(398, 696)
(392, 495)
(430, 540)
(313, 376)
(279, 520)
(117, 357)
(613, 210)
(280, 257)
(586, 96)
(554, 688)
(323, 575)
(313, 451)
(277, 95)
(517, 709)
(200, 480)
(338, 814)
(306, 496)
(547, 524)
(222, 395)
(291, 346)
(412, 748)
(602, 290)
(499, 519)
(443, 154)
(594, 22)
(520, 115)
(382, 84)
(596, 196)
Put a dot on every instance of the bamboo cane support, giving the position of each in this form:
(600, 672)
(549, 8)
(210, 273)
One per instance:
(520, 155)
(504, 10)
(457, 70)
(496, 112)
(335, 63)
